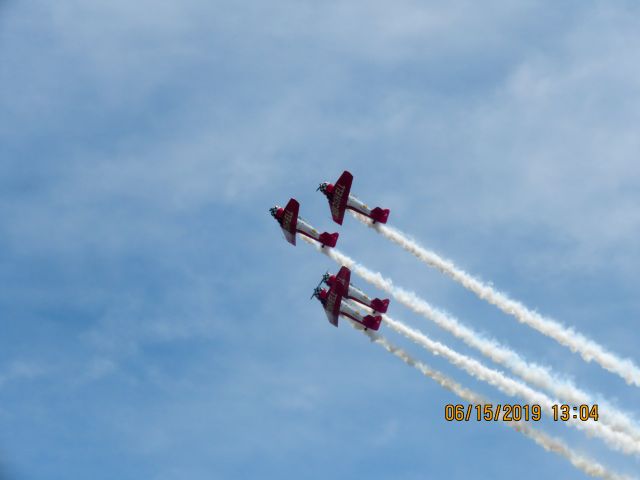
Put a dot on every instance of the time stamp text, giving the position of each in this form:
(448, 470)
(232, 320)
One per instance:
(508, 412)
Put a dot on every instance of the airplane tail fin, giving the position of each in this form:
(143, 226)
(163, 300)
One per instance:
(329, 239)
(380, 215)
(372, 322)
(380, 305)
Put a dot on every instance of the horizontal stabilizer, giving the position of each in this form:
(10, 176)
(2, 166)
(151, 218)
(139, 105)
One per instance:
(372, 322)
(329, 239)
(379, 215)
(380, 305)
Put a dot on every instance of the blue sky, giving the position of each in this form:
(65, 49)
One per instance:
(156, 325)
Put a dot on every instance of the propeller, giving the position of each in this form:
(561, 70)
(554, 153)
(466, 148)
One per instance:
(316, 291)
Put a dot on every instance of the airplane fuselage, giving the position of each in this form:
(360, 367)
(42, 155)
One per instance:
(355, 204)
(348, 310)
(359, 296)
(305, 229)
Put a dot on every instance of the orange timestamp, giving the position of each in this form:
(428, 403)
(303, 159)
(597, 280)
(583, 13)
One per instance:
(508, 412)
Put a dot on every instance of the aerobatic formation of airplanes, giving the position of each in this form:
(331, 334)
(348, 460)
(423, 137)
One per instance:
(338, 299)
(343, 281)
(335, 303)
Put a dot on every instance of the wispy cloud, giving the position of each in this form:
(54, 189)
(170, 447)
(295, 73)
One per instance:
(17, 370)
(142, 143)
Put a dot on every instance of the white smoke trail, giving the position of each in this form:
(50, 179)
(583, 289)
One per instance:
(549, 443)
(587, 348)
(618, 440)
(534, 374)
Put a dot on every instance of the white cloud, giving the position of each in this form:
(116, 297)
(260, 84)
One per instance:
(129, 119)
(17, 370)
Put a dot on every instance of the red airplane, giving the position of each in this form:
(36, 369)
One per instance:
(291, 223)
(340, 199)
(342, 282)
(334, 305)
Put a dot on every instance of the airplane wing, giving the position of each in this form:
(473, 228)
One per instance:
(340, 196)
(290, 220)
(332, 305)
(342, 281)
